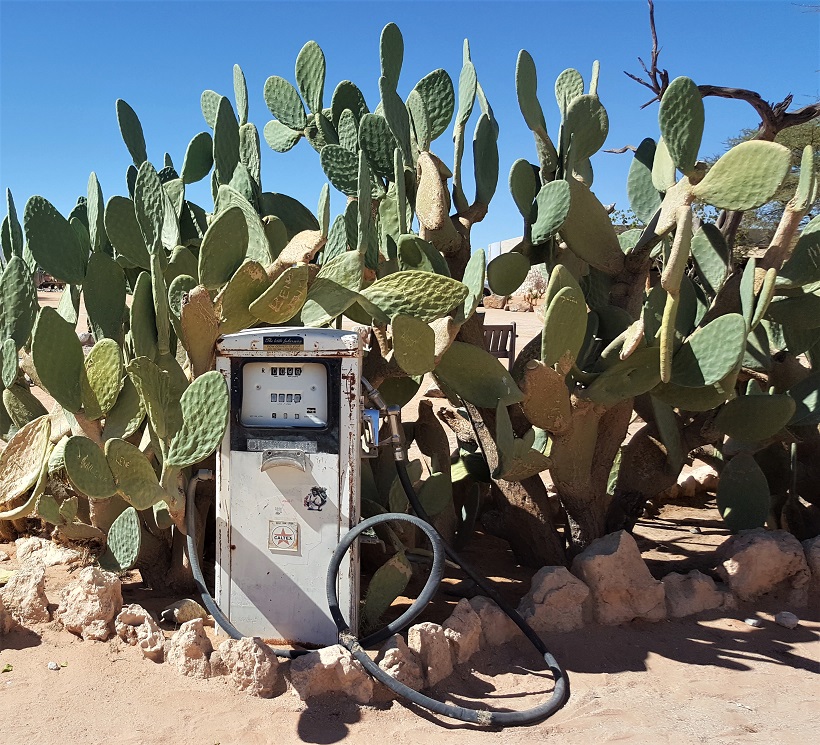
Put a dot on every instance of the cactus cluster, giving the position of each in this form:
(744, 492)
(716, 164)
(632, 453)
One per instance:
(658, 320)
(162, 278)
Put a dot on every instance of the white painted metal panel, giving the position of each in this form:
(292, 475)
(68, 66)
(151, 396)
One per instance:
(277, 528)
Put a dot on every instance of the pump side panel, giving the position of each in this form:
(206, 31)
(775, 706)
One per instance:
(280, 547)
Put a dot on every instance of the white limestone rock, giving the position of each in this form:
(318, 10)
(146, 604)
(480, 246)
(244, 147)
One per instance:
(252, 666)
(25, 596)
(189, 650)
(557, 601)
(401, 663)
(135, 626)
(90, 603)
(497, 627)
(463, 632)
(621, 586)
(689, 594)
(330, 670)
(40, 551)
(429, 642)
(757, 562)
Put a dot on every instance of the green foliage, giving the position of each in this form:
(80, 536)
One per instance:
(144, 406)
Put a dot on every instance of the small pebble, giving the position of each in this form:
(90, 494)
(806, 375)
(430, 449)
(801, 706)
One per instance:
(695, 529)
(4, 556)
(787, 620)
(756, 622)
(53, 666)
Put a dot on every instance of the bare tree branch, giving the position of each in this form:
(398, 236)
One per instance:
(624, 149)
(657, 80)
(773, 117)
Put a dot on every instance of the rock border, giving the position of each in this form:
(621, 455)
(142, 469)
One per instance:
(608, 584)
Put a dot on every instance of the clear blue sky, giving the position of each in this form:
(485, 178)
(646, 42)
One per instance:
(63, 65)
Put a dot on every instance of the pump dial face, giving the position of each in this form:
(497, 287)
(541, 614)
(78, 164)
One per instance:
(290, 394)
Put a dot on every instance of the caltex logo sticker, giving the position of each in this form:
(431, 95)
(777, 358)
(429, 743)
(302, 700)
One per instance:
(283, 536)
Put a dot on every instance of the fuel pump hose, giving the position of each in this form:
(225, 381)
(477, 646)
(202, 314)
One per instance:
(440, 549)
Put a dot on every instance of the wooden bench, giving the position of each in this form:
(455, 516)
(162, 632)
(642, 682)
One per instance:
(499, 339)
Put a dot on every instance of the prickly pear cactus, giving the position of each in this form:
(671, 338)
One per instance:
(660, 319)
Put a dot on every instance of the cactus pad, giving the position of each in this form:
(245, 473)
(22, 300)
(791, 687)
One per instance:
(123, 543)
(104, 295)
(199, 158)
(21, 404)
(18, 302)
(124, 231)
(223, 248)
(507, 272)
(803, 266)
(103, 378)
(388, 582)
(204, 419)
(681, 118)
(569, 85)
(22, 459)
(231, 305)
(552, 205)
(565, 323)
(523, 184)
(663, 168)
(420, 294)
(414, 344)
(711, 353)
(131, 131)
(125, 417)
(745, 177)
(586, 121)
(156, 391)
(284, 103)
(341, 168)
(52, 241)
(711, 255)
(743, 494)
(88, 469)
(476, 376)
(282, 300)
(588, 231)
(310, 75)
(134, 476)
(281, 138)
(200, 329)
(517, 459)
(58, 358)
(546, 401)
(751, 419)
(643, 196)
(633, 376)
(436, 90)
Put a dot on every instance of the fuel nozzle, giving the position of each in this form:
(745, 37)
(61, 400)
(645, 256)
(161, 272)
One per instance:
(397, 433)
(393, 416)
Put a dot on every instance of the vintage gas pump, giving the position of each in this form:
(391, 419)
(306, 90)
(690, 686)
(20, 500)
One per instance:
(288, 480)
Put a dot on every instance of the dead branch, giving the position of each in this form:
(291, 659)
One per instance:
(774, 117)
(657, 80)
(624, 149)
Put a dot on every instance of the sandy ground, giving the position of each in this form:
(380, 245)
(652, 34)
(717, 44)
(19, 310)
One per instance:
(712, 679)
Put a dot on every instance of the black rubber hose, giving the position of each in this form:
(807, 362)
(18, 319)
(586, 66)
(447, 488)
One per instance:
(560, 693)
(418, 605)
